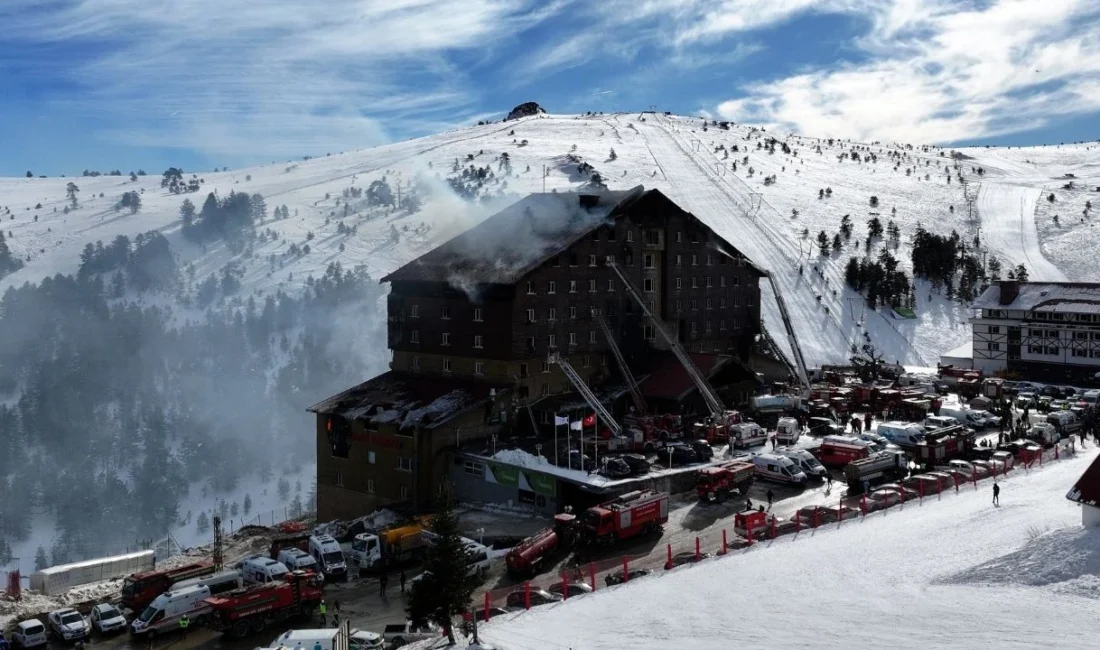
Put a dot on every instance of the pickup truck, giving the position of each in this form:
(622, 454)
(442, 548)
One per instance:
(399, 634)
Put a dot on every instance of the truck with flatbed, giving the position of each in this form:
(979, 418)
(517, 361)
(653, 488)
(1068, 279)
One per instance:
(246, 611)
(396, 635)
(715, 484)
(394, 544)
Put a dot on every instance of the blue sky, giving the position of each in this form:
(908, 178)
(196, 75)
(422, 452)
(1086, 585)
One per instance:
(128, 84)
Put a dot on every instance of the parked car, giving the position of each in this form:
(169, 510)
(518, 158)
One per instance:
(703, 450)
(571, 589)
(4, 641)
(615, 468)
(518, 598)
(637, 462)
(68, 625)
(29, 634)
(106, 619)
(617, 577)
(687, 557)
(495, 612)
(679, 453)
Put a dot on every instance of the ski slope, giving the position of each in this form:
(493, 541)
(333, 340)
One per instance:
(949, 572)
(677, 155)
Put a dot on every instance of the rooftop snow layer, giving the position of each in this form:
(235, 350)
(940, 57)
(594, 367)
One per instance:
(407, 399)
(501, 249)
(1061, 297)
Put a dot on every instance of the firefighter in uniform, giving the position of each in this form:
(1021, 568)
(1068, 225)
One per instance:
(184, 623)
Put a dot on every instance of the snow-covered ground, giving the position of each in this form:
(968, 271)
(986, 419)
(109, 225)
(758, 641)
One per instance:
(951, 572)
(673, 154)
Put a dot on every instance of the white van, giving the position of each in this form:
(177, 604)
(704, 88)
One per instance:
(477, 558)
(774, 467)
(218, 583)
(747, 434)
(934, 422)
(902, 434)
(295, 558)
(308, 639)
(29, 634)
(164, 613)
(787, 431)
(259, 570)
(971, 417)
(806, 462)
(329, 556)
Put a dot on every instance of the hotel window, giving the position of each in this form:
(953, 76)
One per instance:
(706, 326)
(708, 281)
(592, 286)
(695, 260)
(530, 315)
(736, 280)
(404, 464)
(473, 468)
(630, 236)
(446, 338)
(479, 368)
(446, 365)
(611, 234)
(647, 260)
(679, 283)
(586, 361)
(611, 284)
(530, 288)
(722, 325)
(530, 345)
(414, 336)
(592, 260)
(679, 237)
(557, 261)
(339, 479)
(572, 286)
(572, 338)
(572, 259)
(477, 341)
(679, 305)
(694, 327)
(592, 336)
(694, 282)
(552, 288)
(445, 312)
(404, 492)
(551, 314)
(416, 363)
(721, 303)
(477, 314)
(707, 303)
(710, 260)
(679, 260)
(553, 340)
(545, 389)
(694, 304)
(995, 347)
(572, 313)
(414, 311)
(994, 329)
(545, 367)
(647, 285)
(370, 486)
(721, 281)
(370, 457)
(648, 332)
(523, 370)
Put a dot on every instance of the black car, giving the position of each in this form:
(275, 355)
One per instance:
(679, 454)
(820, 426)
(615, 468)
(703, 450)
(638, 463)
(617, 577)
(687, 557)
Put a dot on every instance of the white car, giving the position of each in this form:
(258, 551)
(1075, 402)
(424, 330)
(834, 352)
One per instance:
(106, 619)
(29, 634)
(68, 625)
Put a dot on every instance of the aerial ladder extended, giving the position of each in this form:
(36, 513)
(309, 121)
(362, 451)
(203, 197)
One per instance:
(585, 391)
(632, 385)
(800, 361)
(717, 409)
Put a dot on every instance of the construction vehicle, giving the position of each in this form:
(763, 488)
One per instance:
(246, 611)
(140, 589)
(629, 515)
(714, 427)
(879, 467)
(715, 484)
(299, 540)
(392, 545)
(525, 558)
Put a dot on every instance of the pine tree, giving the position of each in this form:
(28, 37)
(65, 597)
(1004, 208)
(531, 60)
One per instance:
(823, 242)
(71, 190)
(247, 504)
(445, 590)
(284, 488)
(40, 559)
(202, 523)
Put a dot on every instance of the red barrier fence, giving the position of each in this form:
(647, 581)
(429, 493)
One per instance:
(621, 569)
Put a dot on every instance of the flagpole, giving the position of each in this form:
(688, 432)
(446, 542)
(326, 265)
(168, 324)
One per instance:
(556, 425)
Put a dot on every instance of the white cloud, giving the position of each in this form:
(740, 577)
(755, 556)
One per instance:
(938, 72)
(262, 77)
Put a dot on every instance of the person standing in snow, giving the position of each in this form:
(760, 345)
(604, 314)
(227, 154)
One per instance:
(996, 494)
(770, 497)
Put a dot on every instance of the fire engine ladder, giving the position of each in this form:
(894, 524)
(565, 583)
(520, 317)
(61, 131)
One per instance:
(799, 360)
(585, 391)
(709, 396)
(635, 392)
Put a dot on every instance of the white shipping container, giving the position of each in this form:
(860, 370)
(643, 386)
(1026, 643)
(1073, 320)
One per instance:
(57, 579)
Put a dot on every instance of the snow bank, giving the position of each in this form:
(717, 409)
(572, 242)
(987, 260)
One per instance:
(953, 572)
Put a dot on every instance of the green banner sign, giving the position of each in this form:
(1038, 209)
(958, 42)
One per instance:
(542, 483)
(504, 474)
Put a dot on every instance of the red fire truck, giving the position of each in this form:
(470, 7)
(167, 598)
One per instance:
(239, 613)
(629, 515)
(526, 557)
(140, 589)
(716, 483)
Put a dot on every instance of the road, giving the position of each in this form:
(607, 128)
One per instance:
(1007, 213)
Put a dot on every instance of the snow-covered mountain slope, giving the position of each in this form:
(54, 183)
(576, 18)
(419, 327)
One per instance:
(677, 155)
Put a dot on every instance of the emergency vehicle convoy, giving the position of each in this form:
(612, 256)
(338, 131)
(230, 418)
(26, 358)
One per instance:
(140, 589)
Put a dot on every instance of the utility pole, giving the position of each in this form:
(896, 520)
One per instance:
(545, 172)
(218, 553)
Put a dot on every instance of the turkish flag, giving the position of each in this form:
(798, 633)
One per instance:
(590, 421)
